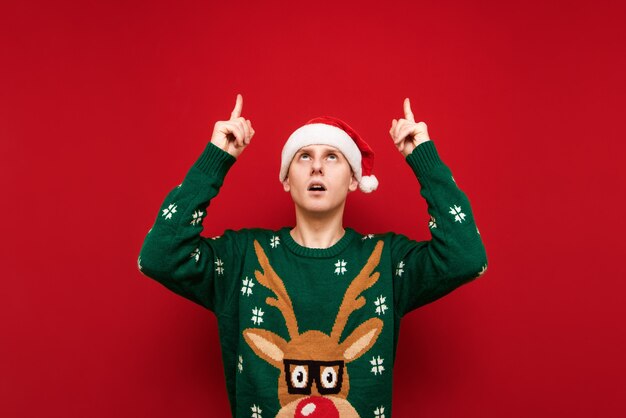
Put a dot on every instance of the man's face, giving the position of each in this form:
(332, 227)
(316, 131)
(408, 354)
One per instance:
(319, 179)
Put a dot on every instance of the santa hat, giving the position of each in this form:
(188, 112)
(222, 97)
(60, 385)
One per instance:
(327, 130)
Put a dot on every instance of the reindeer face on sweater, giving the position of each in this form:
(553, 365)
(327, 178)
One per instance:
(313, 377)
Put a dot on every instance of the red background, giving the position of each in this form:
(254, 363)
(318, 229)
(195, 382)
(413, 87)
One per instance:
(105, 105)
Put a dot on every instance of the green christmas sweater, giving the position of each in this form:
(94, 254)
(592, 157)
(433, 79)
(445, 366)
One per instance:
(308, 332)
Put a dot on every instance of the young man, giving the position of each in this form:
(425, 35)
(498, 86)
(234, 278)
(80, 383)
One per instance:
(309, 316)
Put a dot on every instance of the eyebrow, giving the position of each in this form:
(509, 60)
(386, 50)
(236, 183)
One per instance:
(325, 150)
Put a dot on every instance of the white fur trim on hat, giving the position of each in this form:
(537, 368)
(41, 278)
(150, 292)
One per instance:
(321, 134)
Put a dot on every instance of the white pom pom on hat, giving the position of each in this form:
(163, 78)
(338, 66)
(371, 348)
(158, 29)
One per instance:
(328, 130)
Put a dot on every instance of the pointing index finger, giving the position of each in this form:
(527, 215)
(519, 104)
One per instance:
(237, 110)
(408, 115)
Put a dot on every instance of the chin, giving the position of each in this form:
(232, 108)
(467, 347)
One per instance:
(319, 208)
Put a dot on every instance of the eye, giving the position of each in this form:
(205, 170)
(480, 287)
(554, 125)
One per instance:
(299, 377)
(329, 378)
(304, 156)
(332, 157)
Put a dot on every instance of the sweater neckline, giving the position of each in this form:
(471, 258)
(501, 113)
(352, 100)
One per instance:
(331, 251)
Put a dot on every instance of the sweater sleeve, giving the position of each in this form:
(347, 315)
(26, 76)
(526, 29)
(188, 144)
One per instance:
(174, 253)
(427, 270)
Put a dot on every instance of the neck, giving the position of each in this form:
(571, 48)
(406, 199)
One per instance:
(319, 230)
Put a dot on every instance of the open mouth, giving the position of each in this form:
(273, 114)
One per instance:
(316, 187)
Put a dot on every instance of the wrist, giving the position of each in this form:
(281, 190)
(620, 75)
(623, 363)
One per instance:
(214, 160)
(409, 148)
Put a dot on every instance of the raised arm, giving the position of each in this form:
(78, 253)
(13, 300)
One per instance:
(174, 253)
(427, 270)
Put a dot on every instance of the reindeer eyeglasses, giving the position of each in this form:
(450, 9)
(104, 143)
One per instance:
(300, 375)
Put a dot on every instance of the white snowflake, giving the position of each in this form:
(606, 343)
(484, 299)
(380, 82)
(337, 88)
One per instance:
(453, 179)
(217, 237)
(197, 217)
(219, 266)
(275, 241)
(482, 271)
(179, 185)
(248, 284)
(380, 305)
(477, 231)
(458, 215)
(340, 267)
(432, 223)
(378, 365)
(256, 412)
(169, 211)
(240, 364)
(368, 236)
(139, 263)
(379, 412)
(400, 269)
(257, 315)
(195, 254)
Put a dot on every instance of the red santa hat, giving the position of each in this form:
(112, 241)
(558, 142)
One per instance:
(327, 130)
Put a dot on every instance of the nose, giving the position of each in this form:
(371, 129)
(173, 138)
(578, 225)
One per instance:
(316, 166)
(316, 407)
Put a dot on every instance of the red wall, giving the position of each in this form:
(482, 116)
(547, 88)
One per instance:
(105, 105)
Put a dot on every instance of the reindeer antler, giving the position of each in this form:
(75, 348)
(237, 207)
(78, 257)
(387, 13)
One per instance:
(351, 300)
(270, 280)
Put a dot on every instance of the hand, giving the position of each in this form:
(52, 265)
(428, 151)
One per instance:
(407, 134)
(233, 135)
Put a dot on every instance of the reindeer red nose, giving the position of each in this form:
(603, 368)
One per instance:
(316, 407)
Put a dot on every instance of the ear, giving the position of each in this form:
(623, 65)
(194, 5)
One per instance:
(361, 339)
(354, 183)
(286, 185)
(267, 345)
